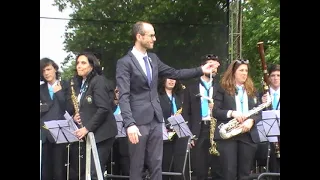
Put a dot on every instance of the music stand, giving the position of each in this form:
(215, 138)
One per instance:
(269, 129)
(61, 131)
(165, 135)
(120, 127)
(179, 125)
(271, 122)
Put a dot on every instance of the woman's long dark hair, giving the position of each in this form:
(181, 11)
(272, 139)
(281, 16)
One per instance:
(177, 89)
(94, 63)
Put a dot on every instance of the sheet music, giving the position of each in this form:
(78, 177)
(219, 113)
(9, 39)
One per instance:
(165, 135)
(70, 120)
(61, 131)
(179, 125)
(270, 121)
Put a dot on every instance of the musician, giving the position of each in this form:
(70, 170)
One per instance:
(196, 112)
(96, 113)
(170, 93)
(274, 92)
(52, 96)
(234, 98)
(120, 147)
(137, 79)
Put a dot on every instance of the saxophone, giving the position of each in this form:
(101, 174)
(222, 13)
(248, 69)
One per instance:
(231, 128)
(213, 123)
(74, 98)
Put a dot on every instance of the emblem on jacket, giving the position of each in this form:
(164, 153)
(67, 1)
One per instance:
(89, 99)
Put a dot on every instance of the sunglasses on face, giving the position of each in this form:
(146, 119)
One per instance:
(211, 57)
(242, 61)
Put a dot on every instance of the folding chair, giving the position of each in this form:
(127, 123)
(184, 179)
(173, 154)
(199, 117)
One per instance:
(180, 159)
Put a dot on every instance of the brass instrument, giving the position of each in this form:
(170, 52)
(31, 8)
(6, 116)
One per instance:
(76, 111)
(213, 123)
(232, 127)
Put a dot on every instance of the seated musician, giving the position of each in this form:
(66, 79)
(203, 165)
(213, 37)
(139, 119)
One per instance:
(196, 110)
(170, 93)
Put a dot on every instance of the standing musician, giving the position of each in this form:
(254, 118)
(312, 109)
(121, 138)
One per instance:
(274, 91)
(170, 93)
(95, 110)
(196, 112)
(235, 97)
(137, 79)
(52, 95)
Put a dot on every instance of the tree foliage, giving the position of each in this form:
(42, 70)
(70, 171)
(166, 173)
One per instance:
(186, 29)
(261, 22)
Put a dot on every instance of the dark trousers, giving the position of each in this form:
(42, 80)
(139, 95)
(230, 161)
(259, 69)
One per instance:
(201, 158)
(119, 160)
(103, 148)
(236, 156)
(53, 161)
(149, 150)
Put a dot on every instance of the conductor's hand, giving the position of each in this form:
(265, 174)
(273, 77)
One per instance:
(133, 133)
(209, 67)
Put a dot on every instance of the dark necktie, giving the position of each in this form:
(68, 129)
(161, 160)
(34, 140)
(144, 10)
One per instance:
(147, 69)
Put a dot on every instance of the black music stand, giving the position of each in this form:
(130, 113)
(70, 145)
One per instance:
(165, 135)
(61, 131)
(120, 127)
(180, 126)
(269, 129)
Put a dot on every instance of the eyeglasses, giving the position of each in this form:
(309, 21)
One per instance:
(150, 35)
(242, 61)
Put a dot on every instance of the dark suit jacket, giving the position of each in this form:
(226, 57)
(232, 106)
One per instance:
(56, 107)
(192, 106)
(166, 105)
(223, 103)
(95, 109)
(139, 102)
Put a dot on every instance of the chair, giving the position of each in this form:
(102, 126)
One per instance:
(180, 159)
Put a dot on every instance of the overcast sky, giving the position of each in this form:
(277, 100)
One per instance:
(52, 31)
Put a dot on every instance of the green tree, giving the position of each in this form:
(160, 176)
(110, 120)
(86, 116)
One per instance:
(261, 22)
(186, 29)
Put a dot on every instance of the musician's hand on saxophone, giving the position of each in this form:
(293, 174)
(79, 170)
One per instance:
(80, 133)
(239, 116)
(76, 118)
(246, 125)
(211, 106)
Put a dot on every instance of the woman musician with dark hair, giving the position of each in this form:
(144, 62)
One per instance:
(95, 112)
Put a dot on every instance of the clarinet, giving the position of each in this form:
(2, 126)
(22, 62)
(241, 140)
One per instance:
(266, 87)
